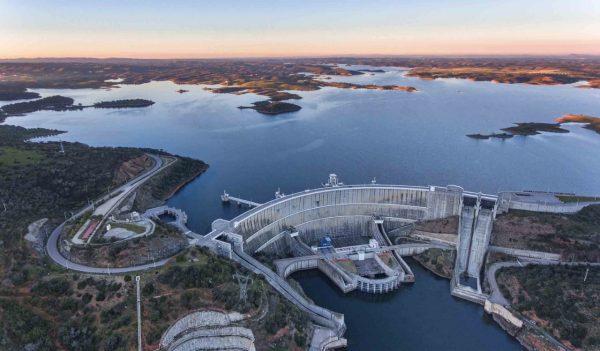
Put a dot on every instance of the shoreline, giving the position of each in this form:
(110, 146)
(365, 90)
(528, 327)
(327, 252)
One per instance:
(184, 183)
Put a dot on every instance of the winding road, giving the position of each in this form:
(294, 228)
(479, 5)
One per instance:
(122, 192)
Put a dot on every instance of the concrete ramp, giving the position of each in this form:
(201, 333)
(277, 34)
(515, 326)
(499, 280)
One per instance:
(480, 241)
(465, 232)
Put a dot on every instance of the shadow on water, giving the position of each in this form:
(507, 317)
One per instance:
(419, 316)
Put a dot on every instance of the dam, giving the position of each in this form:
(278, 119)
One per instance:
(357, 236)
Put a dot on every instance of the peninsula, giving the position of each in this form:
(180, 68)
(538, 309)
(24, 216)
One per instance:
(16, 93)
(63, 103)
(591, 123)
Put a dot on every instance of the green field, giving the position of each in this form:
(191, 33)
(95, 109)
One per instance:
(10, 156)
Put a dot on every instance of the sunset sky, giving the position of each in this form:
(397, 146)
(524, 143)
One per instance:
(196, 29)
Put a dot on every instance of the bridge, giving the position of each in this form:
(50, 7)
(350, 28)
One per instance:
(226, 198)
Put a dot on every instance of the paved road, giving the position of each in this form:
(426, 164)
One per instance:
(58, 258)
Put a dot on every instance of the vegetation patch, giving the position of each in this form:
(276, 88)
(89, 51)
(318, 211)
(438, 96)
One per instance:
(165, 242)
(51, 103)
(448, 225)
(10, 156)
(575, 236)
(163, 185)
(576, 198)
(561, 299)
(440, 262)
(17, 93)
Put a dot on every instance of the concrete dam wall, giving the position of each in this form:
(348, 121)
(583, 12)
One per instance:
(338, 204)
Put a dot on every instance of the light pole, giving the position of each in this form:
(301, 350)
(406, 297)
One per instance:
(139, 312)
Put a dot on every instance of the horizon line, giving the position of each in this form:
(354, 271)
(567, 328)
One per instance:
(473, 55)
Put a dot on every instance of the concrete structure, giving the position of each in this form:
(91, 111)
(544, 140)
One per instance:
(208, 330)
(355, 216)
(539, 201)
(313, 212)
(474, 232)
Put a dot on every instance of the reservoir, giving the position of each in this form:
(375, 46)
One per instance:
(396, 137)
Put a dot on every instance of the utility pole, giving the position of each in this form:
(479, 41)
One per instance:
(586, 274)
(139, 312)
(243, 281)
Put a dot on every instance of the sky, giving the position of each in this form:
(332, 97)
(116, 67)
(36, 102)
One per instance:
(282, 28)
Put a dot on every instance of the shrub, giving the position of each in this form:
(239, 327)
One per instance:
(55, 287)
(148, 289)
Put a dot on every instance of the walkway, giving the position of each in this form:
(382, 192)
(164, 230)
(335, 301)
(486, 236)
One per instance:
(228, 198)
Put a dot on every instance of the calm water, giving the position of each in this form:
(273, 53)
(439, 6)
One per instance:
(423, 316)
(402, 138)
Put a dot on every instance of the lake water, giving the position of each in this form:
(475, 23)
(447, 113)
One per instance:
(397, 137)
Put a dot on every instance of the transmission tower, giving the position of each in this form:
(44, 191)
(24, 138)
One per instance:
(243, 281)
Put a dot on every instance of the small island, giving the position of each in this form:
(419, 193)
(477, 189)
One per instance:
(522, 129)
(126, 103)
(533, 128)
(181, 91)
(372, 70)
(272, 107)
(343, 85)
